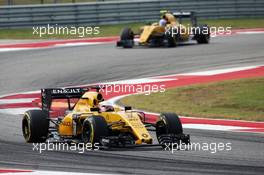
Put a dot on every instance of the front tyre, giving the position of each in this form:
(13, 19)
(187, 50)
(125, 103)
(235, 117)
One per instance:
(169, 130)
(169, 123)
(94, 129)
(203, 35)
(127, 38)
(170, 39)
(35, 126)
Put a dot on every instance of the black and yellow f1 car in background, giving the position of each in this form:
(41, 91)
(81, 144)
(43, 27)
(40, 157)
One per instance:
(170, 35)
(87, 120)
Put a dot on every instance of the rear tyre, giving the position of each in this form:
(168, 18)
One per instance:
(127, 38)
(35, 126)
(94, 129)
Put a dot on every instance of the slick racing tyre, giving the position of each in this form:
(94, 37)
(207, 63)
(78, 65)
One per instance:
(169, 123)
(203, 35)
(127, 38)
(35, 126)
(170, 40)
(168, 128)
(94, 128)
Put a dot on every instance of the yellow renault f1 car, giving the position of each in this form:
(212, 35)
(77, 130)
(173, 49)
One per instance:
(88, 121)
(172, 33)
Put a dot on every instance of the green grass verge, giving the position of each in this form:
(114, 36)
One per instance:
(237, 99)
(114, 30)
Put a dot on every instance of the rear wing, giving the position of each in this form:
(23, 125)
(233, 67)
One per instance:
(192, 15)
(47, 95)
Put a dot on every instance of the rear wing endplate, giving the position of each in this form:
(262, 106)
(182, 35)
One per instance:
(47, 95)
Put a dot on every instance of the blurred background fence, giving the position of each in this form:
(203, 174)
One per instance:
(28, 2)
(113, 12)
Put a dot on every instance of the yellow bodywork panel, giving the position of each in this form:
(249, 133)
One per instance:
(123, 121)
(65, 127)
(132, 123)
(150, 30)
(155, 29)
(172, 20)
